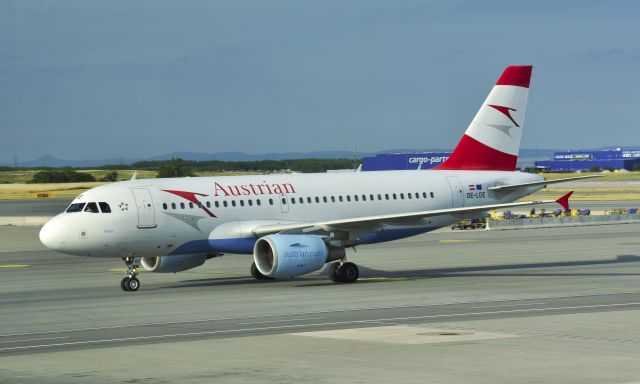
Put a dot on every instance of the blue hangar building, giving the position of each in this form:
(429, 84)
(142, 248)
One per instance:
(399, 161)
(584, 160)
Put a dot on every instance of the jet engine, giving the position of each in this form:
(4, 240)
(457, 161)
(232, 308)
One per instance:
(176, 263)
(281, 256)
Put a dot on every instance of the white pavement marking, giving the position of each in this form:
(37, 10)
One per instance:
(281, 321)
(282, 327)
(40, 339)
(317, 312)
(506, 305)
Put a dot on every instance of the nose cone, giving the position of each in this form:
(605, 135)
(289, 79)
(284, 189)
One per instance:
(52, 234)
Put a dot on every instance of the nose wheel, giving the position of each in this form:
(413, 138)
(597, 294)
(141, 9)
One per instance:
(344, 272)
(130, 282)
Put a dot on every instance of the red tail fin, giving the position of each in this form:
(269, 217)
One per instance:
(492, 140)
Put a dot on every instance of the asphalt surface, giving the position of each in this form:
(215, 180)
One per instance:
(542, 305)
(34, 207)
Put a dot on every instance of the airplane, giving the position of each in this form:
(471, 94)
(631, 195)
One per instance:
(295, 224)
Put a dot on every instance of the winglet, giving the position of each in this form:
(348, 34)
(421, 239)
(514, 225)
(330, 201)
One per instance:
(564, 201)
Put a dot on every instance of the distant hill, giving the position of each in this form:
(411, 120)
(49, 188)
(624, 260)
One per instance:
(526, 158)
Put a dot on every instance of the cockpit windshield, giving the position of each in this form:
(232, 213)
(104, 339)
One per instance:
(92, 208)
(89, 207)
(76, 207)
(104, 207)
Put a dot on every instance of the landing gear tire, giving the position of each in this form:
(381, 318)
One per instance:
(334, 272)
(256, 274)
(123, 283)
(344, 273)
(132, 284)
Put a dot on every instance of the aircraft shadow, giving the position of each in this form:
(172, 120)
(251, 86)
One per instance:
(371, 275)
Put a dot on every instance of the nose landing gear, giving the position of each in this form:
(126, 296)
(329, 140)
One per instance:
(131, 282)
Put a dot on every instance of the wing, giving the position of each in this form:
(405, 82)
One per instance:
(377, 221)
(545, 183)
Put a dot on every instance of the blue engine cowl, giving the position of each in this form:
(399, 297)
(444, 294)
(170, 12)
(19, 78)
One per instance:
(174, 263)
(282, 256)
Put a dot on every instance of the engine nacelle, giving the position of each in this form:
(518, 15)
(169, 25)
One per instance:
(293, 255)
(177, 263)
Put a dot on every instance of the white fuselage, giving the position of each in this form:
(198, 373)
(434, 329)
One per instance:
(158, 217)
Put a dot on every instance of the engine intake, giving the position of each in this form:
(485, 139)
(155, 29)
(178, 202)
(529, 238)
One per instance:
(281, 256)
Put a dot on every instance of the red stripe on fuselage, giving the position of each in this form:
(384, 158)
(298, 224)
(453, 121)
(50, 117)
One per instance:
(191, 196)
(470, 154)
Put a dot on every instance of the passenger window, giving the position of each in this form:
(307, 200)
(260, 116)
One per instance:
(417, 195)
(199, 204)
(424, 194)
(333, 199)
(379, 196)
(216, 203)
(77, 207)
(257, 201)
(340, 199)
(182, 205)
(164, 206)
(309, 200)
(402, 196)
(432, 195)
(395, 196)
(293, 200)
(301, 200)
(173, 205)
(324, 198)
(355, 197)
(284, 201)
(348, 198)
(208, 204)
(233, 203)
(270, 201)
(225, 204)
(92, 208)
(364, 197)
(242, 203)
(409, 195)
(191, 205)
(371, 197)
(317, 199)
(250, 202)
(386, 196)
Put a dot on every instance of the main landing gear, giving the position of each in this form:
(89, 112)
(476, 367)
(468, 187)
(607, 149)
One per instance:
(256, 274)
(344, 272)
(131, 282)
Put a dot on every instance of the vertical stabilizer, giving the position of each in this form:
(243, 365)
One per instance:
(492, 140)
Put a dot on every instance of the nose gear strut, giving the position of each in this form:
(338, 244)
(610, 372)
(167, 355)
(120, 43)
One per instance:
(131, 282)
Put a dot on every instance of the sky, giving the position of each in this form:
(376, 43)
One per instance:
(105, 79)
